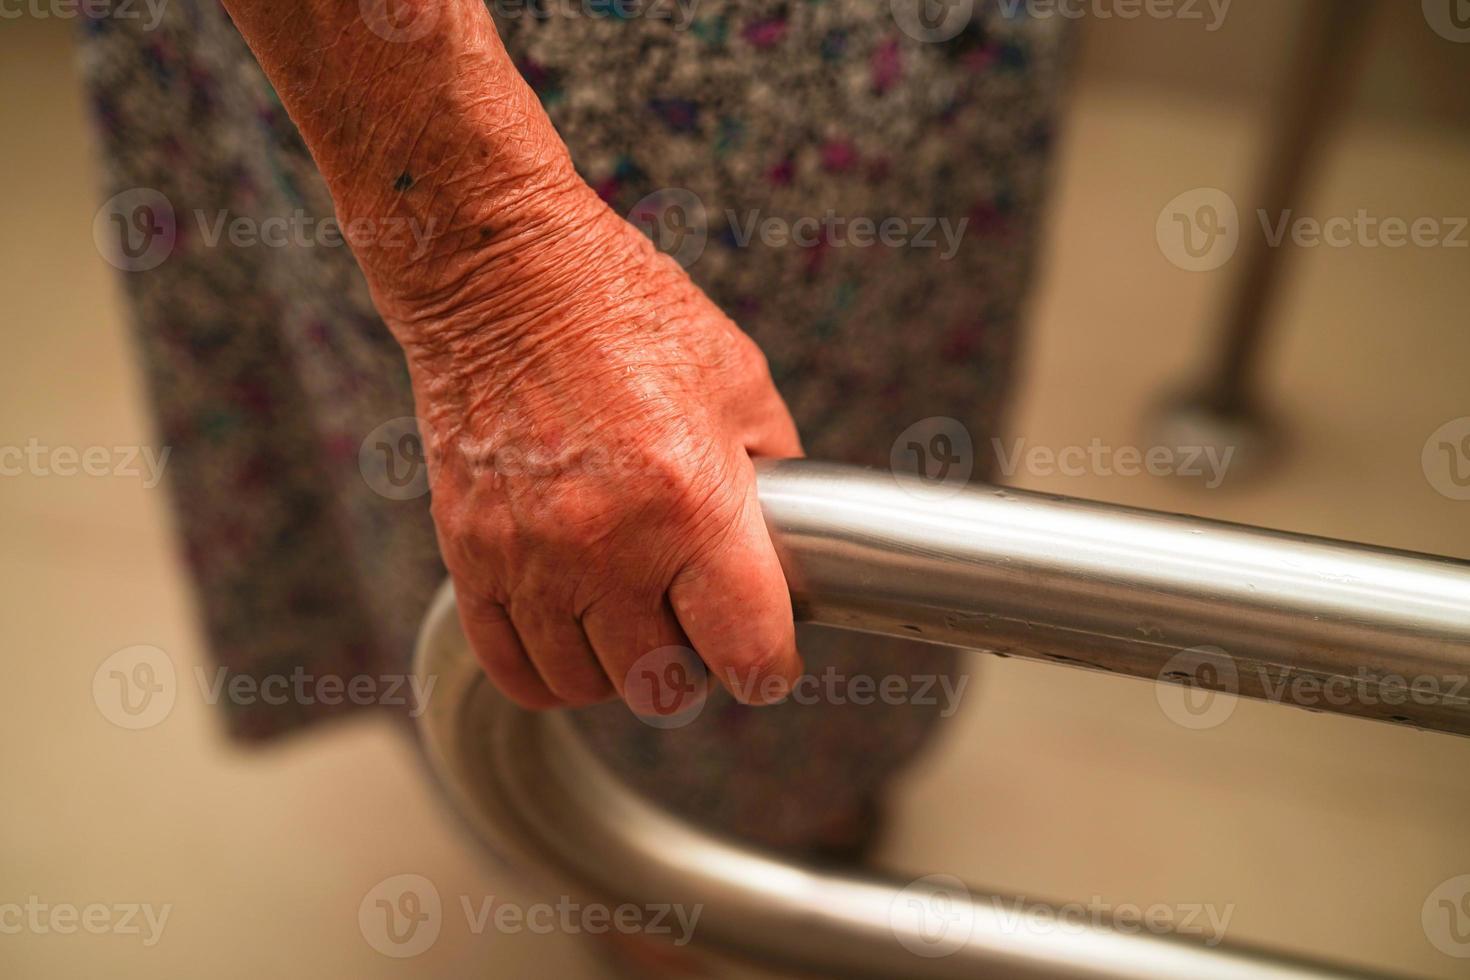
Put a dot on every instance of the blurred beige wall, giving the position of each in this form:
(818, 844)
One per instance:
(1410, 71)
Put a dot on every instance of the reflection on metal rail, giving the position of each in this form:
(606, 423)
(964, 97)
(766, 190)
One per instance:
(1115, 589)
(1322, 624)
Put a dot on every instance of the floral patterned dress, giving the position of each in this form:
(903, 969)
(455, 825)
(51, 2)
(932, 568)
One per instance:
(856, 182)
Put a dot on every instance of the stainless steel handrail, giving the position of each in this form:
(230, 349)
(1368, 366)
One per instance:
(1106, 587)
(1322, 624)
(537, 797)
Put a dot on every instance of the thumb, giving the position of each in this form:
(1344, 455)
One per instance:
(735, 607)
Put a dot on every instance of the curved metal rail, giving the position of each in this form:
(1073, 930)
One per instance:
(1115, 589)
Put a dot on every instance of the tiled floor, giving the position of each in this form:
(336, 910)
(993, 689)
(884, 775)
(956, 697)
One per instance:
(1321, 834)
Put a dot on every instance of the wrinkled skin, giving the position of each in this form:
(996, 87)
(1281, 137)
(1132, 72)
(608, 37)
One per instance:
(590, 418)
(589, 415)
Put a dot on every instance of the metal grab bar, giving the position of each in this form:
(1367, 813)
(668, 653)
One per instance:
(537, 796)
(1320, 624)
(1020, 573)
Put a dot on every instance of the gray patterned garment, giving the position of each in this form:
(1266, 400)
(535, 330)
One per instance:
(905, 158)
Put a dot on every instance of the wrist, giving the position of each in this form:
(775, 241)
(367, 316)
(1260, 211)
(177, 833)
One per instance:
(475, 242)
(552, 275)
(440, 159)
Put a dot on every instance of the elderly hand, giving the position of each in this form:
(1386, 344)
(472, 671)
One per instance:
(589, 415)
(590, 418)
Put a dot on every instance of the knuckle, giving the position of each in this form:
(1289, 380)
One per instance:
(465, 537)
(751, 360)
(574, 520)
(697, 492)
(450, 518)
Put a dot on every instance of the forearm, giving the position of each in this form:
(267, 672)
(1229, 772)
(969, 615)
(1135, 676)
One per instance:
(588, 414)
(432, 127)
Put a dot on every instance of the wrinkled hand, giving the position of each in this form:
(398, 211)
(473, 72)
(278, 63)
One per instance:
(590, 418)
